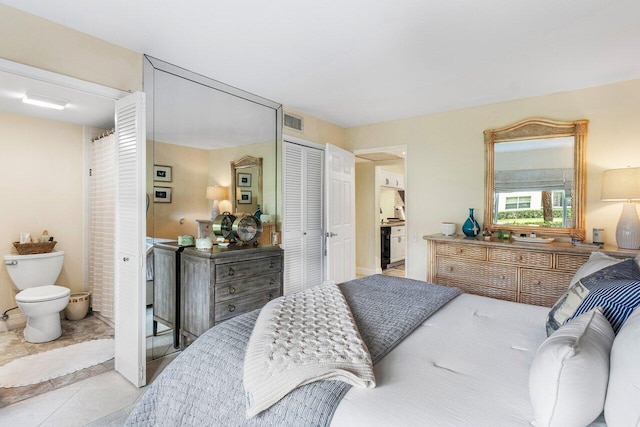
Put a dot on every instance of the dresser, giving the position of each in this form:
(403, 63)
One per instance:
(166, 287)
(221, 283)
(530, 273)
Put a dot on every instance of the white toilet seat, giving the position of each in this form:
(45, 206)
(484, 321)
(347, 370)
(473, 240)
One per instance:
(42, 294)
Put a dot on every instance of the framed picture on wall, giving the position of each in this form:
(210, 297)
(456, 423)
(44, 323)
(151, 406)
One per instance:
(162, 173)
(161, 194)
(245, 197)
(244, 180)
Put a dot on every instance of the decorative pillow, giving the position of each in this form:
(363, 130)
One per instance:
(597, 261)
(569, 374)
(622, 407)
(615, 288)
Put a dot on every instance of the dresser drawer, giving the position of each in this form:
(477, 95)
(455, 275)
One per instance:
(521, 257)
(477, 289)
(463, 251)
(570, 262)
(550, 283)
(245, 286)
(496, 276)
(234, 307)
(535, 299)
(241, 269)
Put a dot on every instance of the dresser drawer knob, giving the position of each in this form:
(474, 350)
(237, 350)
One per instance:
(232, 290)
(503, 277)
(450, 269)
(537, 283)
(231, 271)
(460, 251)
(272, 264)
(270, 297)
(232, 308)
(520, 258)
(272, 281)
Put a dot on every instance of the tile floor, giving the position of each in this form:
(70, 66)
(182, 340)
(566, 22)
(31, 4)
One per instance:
(13, 346)
(99, 401)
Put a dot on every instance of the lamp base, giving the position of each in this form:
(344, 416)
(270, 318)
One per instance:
(215, 211)
(628, 229)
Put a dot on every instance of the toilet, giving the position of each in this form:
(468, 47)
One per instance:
(40, 300)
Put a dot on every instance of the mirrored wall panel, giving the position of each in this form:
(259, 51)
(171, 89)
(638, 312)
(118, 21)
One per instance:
(198, 129)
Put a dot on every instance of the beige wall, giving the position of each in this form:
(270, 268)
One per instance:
(317, 130)
(190, 168)
(367, 243)
(445, 155)
(41, 184)
(34, 41)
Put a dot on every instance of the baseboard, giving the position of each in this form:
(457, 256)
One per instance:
(15, 321)
(363, 271)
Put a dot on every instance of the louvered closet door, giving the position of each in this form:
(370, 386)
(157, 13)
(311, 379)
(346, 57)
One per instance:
(129, 238)
(303, 216)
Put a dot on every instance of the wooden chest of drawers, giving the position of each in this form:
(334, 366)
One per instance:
(222, 283)
(524, 272)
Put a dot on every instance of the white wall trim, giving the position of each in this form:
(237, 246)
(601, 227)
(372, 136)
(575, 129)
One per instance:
(363, 271)
(60, 80)
(16, 320)
(300, 141)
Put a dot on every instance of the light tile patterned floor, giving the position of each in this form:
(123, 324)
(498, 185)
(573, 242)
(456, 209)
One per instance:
(13, 346)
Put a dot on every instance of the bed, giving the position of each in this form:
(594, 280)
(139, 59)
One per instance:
(466, 364)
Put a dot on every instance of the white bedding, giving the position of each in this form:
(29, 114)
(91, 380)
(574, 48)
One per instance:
(467, 365)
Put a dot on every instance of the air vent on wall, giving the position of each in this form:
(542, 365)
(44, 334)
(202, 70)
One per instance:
(293, 122)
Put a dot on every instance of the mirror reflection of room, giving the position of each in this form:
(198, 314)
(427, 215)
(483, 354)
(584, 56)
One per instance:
(196, 132)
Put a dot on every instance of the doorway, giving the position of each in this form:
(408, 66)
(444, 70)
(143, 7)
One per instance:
(381, 209)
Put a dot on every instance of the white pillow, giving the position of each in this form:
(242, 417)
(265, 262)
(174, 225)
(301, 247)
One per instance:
(597, 261)
(622, 407)
(569, 374)
(637, 260)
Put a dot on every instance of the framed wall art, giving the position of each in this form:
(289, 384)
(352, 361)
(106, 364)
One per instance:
(162, 173)
(245, 197)
(244, 180)
(162, 194)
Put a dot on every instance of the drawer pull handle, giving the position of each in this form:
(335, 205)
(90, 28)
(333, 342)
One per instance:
(272, 281)
(231, 271)
(232, 308)
(272, 264)
(520, 258)
(503, 277)
(232, 290)
(270, 297)
(460, 251)
(537, 283)
(450, 269)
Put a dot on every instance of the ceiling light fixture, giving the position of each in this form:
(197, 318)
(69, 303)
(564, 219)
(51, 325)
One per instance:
(44, 101)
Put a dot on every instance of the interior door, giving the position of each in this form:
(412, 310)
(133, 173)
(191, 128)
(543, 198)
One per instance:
(340, 207)
(303, 219)
(129, 239)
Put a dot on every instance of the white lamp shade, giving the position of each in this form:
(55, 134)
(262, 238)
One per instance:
(216, 192)
(621, 184)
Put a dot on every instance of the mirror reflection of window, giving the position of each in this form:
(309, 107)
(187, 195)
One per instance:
(533, 182)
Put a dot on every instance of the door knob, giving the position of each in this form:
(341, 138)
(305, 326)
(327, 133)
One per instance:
(125, 259)
(330, 234)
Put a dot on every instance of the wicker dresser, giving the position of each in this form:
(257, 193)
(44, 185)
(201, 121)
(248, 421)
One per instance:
(531, 273)
(222, 283)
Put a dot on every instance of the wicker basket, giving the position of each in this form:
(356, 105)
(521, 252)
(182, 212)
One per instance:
(34, 248)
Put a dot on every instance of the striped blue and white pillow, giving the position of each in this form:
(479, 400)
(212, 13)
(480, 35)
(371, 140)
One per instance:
(616, 289)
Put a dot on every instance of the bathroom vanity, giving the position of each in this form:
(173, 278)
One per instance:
(221, 283)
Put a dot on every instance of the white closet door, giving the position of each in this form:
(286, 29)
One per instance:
(302, 235)
(130, 234)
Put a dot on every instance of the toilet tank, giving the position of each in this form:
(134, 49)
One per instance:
(29, 271)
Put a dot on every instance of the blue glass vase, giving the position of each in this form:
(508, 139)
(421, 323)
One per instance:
(471, 228)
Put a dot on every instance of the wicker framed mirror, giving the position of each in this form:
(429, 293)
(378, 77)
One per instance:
(535, 172)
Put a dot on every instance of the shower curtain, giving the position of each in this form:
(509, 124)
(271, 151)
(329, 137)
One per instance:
(102, 224)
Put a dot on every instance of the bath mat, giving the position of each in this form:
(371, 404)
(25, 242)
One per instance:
(50, 364)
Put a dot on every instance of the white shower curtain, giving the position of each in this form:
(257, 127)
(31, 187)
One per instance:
(102, 224)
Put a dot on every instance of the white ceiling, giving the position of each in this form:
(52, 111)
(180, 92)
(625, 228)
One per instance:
(354, 62)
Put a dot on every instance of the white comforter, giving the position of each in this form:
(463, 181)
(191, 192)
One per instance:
(467, 365)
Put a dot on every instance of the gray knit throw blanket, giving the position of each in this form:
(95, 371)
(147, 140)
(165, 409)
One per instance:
(203, 386)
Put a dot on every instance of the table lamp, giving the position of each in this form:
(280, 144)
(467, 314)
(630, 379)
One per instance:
(216, 193)
(624, 185)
